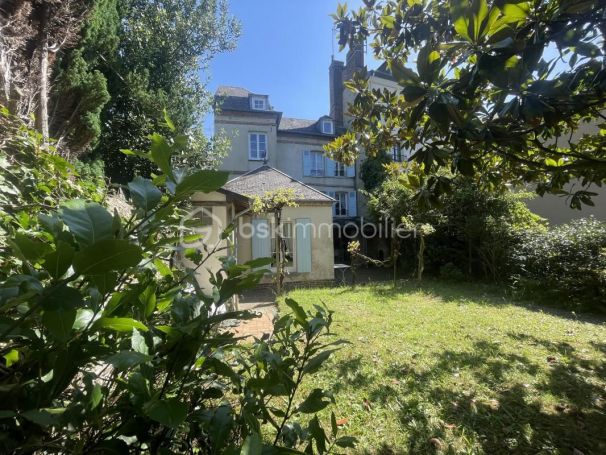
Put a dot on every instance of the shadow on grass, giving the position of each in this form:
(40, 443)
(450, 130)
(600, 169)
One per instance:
(481, 293)
(512, 419)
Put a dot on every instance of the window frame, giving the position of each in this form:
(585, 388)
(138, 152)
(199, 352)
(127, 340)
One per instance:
(258, 134)
(331, 126)
(321, 172)
(261, 99)
(204, 213)
(340, 170)
(344, 206)
(396, 154)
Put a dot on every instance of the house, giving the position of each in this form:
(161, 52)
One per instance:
(306, 229)
(261, 135)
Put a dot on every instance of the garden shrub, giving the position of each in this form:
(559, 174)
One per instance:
(476, 230)
(565, 265)
(107, 347)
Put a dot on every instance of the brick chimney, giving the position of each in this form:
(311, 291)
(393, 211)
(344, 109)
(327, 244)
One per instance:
(354, 61)
(336, 91)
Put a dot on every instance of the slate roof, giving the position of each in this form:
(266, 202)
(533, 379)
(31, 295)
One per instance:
(236, 99)
(267, 178)
(300, 126)
(383, 72)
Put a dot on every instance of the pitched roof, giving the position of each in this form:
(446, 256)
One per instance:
(383, 72)
(237, 99)
(266, 178)
(301, 126)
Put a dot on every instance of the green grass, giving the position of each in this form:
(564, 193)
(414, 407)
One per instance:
(449, 368)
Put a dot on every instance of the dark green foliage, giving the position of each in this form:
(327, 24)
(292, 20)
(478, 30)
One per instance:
(476, 229)
(372, 171)
(81, 92)
(162, 48)
(108, 346)
(481, 229)
(492, 90)
(565, 265)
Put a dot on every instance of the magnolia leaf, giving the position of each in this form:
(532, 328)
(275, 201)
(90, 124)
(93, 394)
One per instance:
(59, 322)
(252, 445)
(96, 395)
(29, 249)
(171, 412)
(138, 342)
(204, 181)
(58, 262)
(144, 193)
(89, 222)
(120, 324)
(107, 256)
(161, 153)
(124, 360)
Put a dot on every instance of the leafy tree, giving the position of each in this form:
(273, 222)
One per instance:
(498, 93)
(273, 202)
(80, 89)
(163, 46)
(107, 347)
(32, 34)
(373, 170)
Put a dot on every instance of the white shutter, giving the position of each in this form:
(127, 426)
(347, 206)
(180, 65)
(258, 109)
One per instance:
(303, 244)
(261, 246)
(334, 204)
(351, 171)
(330, 167)
(352, 208)
(307, 163)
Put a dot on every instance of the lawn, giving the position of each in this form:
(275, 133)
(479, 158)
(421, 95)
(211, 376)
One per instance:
(459, 368)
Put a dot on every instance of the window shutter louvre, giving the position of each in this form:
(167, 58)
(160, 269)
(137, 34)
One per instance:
(261, 246)
(330, 167)
(303, 247)
(307, 163)
(351, 171)
(352, 209)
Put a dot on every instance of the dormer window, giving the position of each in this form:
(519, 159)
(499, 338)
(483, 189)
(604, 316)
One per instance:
(259, 103)
(328, 127)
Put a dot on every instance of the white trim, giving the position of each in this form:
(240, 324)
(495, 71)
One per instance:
(331, 124)
(256, 98)
(259, 134)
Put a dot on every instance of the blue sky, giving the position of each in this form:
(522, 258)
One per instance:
(284, 51)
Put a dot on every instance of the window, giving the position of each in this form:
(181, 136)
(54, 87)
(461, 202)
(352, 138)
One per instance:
(287, 245)
(259, 103)
(340, 207)
(317, 164)
(257, 146)
(396, 154)
(345, 203)
(340, 169)
(313, 164)
(327, 127)
(205, 215)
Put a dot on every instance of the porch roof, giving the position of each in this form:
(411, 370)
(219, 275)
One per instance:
(266, 178)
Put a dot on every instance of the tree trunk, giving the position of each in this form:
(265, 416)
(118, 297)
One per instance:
(420, 258)
(279, 253)
(43, 96)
